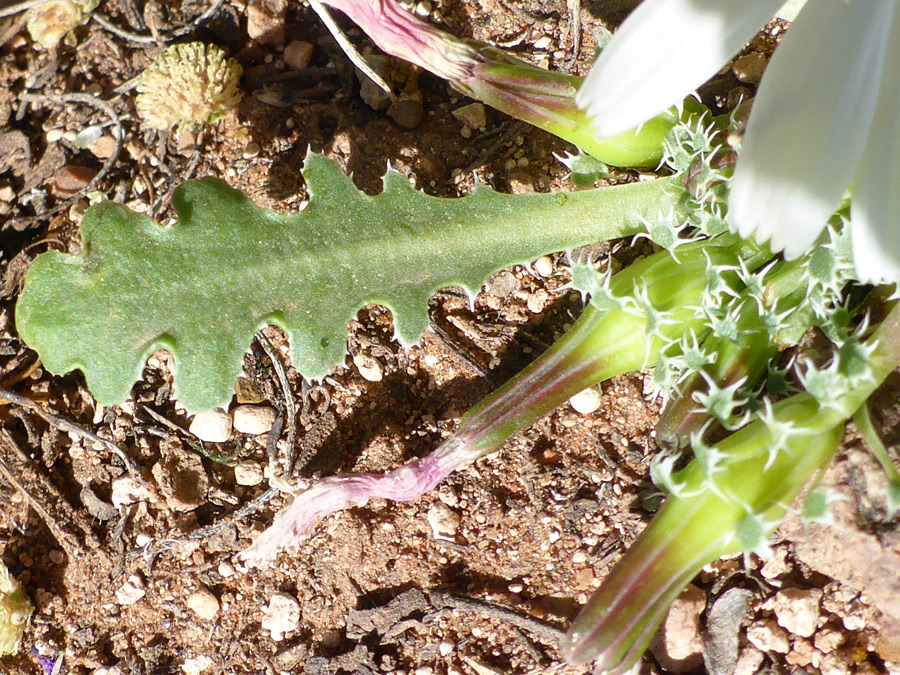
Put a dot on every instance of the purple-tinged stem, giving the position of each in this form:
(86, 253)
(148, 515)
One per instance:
(601, 344)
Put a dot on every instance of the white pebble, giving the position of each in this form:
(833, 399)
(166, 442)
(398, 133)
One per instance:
(443, 520)
(254, 419)
(213, 426)
(131, 591)
(225, 569)
(248, 473)
(368, 367)
(281, 616)
(204, 604)
(543, 266)
(586, 401)
(196, 665)
(128, 490)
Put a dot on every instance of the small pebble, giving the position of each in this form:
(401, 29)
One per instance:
(266, 21)
(679, 646)
(254, 419)
(204, 604)
(543, 266)
(213, 426)
(131, 591)
(186, 143)
(749, 68)
(281, 616)
(749, 661)
(407, 113)
(104, 147)
(542, 43)
(127, 490)
(472, 115)
(251, 150)
(71, 178)
(502, 284)
(181, 476)
(369, 368)
(768, 637)
(586, 401)
(248, 474)
(775, 566)
(443, 520)
(54, 135)
(446, 648)
(298, 54)
(797, 610)
(247, 391)
(423, 9)
(196, 665)
(225, 569)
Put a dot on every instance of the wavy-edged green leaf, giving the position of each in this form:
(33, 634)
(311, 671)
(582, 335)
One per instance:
(202, 288)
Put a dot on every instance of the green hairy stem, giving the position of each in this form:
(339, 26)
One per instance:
(728, 499)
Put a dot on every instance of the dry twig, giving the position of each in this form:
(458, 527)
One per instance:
(20, 7)
(551, 634)
(151, 39)
(61, 519)
(71, 427)
(289, 404)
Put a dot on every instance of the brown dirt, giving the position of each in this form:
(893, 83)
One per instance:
(542, 520)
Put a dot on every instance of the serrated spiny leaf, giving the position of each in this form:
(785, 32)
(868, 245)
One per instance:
(203, 287)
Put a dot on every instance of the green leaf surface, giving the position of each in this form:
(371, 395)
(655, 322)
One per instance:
(201, 288)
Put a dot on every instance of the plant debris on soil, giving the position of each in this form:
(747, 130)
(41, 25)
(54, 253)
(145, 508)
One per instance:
(124, 526)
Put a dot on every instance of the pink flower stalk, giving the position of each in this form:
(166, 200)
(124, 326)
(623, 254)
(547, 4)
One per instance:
(404, 35)
(537, 96)
(296, 521)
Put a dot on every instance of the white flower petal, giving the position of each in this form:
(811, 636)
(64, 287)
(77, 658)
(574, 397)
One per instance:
(809, 123)
(875, 228)
(790, 10)
(662, 52)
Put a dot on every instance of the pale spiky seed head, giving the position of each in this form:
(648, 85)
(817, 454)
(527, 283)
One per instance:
(188, 85)
(50, 21)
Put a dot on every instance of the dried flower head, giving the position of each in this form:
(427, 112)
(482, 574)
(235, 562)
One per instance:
(188, 84)
(15, 610)
(51, 21)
